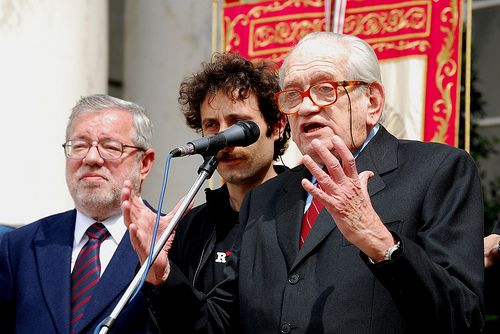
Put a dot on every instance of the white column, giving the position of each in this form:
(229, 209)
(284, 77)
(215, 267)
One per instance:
(164, 42)
(52, 52)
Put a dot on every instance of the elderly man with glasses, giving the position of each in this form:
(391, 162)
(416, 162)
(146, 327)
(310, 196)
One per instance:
(371, 234)
(65, 273)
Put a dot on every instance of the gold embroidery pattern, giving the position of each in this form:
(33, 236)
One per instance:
(421, 46)
(285, 32)
(446, 67)
(281, 33)
(382, 26)
(393, 21)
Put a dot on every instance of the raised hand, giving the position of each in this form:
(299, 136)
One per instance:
(140, 221)
(491, 254)
(345, 196)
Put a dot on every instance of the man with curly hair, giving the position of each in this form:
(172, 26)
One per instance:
(226, 90)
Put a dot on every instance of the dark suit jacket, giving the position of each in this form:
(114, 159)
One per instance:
(429, 195)
(35, 282)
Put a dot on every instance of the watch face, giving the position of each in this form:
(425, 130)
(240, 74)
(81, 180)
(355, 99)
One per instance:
(391, 250)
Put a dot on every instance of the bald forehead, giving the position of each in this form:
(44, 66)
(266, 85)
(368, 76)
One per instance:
(317, 53)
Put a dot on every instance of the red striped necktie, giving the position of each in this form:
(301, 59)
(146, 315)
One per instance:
(86, 272)
(310, 217)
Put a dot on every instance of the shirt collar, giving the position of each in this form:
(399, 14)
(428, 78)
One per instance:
(113, 224)
(372, 134)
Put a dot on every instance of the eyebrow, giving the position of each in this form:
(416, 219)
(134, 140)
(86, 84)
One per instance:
(230, 116)
(315, 78)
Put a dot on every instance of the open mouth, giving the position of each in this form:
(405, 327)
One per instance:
(308, 128)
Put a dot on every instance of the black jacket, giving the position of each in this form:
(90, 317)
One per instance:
(197, 235)
(428, 194)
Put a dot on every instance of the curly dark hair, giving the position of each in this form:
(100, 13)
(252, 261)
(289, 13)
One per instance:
(229, 72)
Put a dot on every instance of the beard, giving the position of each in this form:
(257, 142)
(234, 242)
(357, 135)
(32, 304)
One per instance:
(101, 200)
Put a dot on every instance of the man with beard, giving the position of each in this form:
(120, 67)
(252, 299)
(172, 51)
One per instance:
(66, 272)
(226, 90)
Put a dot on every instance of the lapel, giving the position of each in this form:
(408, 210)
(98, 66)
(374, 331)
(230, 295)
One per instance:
(115, 279)
(379, 156)
(53, 244)
(289, 212)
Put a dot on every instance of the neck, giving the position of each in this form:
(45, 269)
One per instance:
(238, 191)
(100, 212)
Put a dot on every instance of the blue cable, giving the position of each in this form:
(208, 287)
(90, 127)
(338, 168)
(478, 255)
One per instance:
(157, 224)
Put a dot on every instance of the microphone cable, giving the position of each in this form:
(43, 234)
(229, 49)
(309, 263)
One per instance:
(149, 260)
(157, 224)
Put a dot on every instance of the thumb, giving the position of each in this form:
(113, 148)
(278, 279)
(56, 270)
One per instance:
(363, 178)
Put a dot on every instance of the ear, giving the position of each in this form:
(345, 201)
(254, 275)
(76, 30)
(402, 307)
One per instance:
(375, 104)
(279, 127)
(147, 161)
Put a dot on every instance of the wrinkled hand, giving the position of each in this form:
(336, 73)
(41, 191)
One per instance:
(345, 196)
(140, 221)
(491, 254)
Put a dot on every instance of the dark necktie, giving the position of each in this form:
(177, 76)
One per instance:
(310, 217)
(86, 272)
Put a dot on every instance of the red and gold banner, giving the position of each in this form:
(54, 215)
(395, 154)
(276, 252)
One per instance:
(269, 29)
(417, 42)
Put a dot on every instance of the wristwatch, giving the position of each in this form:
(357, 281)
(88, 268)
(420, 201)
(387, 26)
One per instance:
(391, 250)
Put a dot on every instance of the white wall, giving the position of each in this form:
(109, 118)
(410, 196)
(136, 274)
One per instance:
(164, 42)
(51, 53)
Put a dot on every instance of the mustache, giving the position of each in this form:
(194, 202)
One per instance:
(94, 170)
(227, 155)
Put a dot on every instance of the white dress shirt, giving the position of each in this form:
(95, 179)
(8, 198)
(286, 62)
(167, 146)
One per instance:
(113, 224)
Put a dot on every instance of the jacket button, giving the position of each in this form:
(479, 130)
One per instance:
(293, 279)
(285, 328)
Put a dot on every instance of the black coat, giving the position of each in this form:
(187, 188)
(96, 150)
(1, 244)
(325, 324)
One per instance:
(429, 195)
(196, 236)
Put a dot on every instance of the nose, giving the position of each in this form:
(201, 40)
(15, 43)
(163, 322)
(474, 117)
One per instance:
(307, 107)
(223, 126)
(93, 157)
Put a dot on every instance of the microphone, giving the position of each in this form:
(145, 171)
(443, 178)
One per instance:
(242, 133)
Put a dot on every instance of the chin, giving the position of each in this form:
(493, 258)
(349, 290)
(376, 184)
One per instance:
(234, 177)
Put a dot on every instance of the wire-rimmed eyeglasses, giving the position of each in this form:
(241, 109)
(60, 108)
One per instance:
(108, 149)
(321, 94)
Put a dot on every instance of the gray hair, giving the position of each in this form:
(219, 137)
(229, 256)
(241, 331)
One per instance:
(142, 135)
(362, 63)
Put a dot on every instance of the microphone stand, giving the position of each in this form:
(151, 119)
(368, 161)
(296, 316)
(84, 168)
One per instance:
(205, 172)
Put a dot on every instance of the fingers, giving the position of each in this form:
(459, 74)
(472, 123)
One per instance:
(345, 195)
(315, 170)
(348, 163)
(337, 170)
(165, 220)
(491, 254)
(171, 214)
(126, 205)
(160, 268)
(363, 178)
